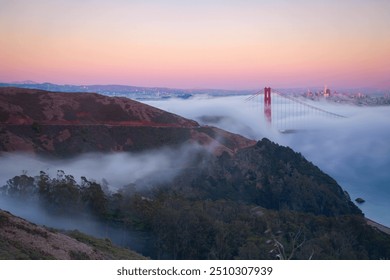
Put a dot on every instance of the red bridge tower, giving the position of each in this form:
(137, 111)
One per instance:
(267, 104)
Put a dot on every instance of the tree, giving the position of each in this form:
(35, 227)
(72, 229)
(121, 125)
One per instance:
(93, 197)
(21, 187)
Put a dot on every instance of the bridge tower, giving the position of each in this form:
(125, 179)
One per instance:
(267, 104)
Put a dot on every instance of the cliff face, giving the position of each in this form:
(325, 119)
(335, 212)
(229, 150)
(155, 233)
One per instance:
(66, 124)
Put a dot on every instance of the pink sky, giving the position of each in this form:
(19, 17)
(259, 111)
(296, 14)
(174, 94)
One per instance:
(228, 44)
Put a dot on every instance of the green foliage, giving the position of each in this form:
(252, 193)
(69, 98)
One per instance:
(264, 202)
(3, 219)
(104, 246)
(78, 255)
(93, 197)
(21, 187)
(60, 195)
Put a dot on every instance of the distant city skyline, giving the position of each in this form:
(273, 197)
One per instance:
(227, 44)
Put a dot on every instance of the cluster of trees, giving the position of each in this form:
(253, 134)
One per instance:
(186, 228)
(178, 225)
(60, 195)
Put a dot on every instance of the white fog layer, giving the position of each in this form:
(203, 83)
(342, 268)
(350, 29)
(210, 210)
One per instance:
(118, 169)
(354, 150)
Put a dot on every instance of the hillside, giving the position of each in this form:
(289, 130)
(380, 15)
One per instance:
(65, 124)
(271, 176)
(20, 239)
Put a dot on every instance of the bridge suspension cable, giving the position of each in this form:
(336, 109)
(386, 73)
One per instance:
(296, 100)
(286, 109)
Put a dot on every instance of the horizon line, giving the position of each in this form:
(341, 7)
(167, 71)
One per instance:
(30, 82)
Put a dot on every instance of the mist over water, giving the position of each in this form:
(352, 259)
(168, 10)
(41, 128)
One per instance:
(354, 150)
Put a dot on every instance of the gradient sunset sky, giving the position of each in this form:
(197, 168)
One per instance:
(231, 44)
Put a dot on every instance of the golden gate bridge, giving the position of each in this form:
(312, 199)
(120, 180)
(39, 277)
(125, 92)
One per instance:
(286, 112)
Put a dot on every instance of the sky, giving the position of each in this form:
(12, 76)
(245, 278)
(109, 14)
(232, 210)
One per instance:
(229, 44)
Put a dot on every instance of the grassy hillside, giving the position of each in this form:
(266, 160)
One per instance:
(20, 239)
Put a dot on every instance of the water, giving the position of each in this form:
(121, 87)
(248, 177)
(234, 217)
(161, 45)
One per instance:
(359, 164)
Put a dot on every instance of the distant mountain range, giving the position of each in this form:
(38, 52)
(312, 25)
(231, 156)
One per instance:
(139, 92)
(133, 92)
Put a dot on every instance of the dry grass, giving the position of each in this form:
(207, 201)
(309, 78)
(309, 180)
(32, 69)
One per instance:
(20, 239)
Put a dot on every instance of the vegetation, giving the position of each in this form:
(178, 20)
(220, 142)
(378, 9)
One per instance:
(265, 202)
(14, 250)
(105, 246)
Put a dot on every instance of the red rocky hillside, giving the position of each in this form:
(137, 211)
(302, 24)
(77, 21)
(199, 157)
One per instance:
(66, 124)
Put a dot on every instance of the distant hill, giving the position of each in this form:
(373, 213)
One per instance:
(20, 239)
(66, 124)
(136, 92)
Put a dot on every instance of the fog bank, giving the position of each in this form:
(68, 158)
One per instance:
(354, 150)
(118, 169)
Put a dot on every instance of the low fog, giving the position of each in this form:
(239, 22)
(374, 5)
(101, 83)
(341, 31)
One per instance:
(144, 169)
(118, 169)
(33, 212)
(354, 150)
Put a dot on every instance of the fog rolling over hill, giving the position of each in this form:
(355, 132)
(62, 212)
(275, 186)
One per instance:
(169, 187)
(353, 150)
